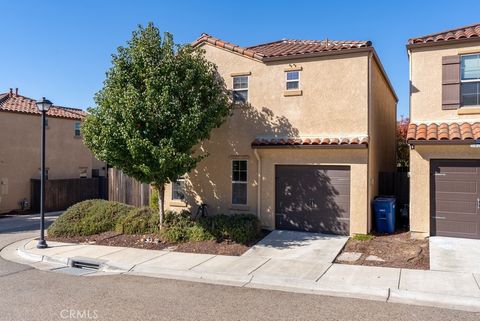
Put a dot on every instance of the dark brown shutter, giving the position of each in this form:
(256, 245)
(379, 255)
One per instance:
(451, 82)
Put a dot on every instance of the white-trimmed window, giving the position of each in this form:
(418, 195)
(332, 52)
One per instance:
(239, 182)
(178, 189)
(470, 80)
(240, 89)
(292, 80)
(83, 172)
(77, 132)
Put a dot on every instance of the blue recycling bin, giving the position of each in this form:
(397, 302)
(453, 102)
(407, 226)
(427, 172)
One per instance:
(384, 208)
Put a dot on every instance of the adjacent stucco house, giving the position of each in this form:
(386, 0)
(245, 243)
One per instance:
(66, 157)
(313, 126)
(444, 131)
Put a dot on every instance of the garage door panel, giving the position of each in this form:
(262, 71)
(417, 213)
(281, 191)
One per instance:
(455, 198)
(460, 186)
(456, 207)
(313, 198)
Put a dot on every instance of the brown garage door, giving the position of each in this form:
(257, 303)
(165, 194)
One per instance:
(455, 198)
(312, 198)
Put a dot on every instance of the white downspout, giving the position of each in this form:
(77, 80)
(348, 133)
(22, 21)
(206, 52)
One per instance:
(259, 180)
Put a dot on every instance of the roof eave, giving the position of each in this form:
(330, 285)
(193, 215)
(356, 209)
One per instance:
(318, 54)
(347, 146)
(441, 142)
(442, 43)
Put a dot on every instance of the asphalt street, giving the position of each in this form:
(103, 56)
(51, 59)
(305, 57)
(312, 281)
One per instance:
(29, 294)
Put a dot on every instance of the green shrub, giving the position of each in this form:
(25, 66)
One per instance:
(153, 200)
(175, 226)
(88, 218)
(240, 228)
(197, 233)
(142, 220)
(363, 237)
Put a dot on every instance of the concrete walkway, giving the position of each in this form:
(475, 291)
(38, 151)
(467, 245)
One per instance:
(454, 254)
(457, 290)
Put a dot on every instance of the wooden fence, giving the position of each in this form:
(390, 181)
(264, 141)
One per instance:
(397, 184)
(124, 189)
(62, 193)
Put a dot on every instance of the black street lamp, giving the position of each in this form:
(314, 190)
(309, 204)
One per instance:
(43, 106)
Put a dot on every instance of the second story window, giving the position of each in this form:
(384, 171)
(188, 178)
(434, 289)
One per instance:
(240, 89)
(470, 80)
(292, 80)
(77, 129)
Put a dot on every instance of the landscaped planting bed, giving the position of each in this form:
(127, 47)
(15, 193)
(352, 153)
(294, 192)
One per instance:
(397, 250)
(109, 223)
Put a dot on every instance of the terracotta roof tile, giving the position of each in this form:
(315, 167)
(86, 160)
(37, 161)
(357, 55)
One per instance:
(22, 104)
(284, 47)
(467, 32)
(310, 141)
(443, 131)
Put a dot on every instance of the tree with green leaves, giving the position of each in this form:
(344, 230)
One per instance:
(159, 101)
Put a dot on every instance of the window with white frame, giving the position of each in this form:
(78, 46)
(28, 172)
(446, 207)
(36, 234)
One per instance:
(239, 182)
(470, 80)
(83, 172)
(292, 80)
(240, 89)
(77, 129)
(178, 189)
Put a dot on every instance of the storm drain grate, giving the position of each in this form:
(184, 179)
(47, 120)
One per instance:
(86, 265)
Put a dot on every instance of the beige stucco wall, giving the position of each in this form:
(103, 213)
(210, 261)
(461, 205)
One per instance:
(383, 115)
(334, 100)
(20, 155)
(420, 180)
(426, 83)
(334, 103)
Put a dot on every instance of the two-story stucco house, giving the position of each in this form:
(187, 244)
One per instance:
(444, 133)
(313, 126)
(66, 156)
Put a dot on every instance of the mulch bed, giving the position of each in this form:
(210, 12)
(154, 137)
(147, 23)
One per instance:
(397, 250)
(152, 242)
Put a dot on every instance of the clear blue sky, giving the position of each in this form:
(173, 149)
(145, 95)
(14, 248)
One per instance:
(61, 49)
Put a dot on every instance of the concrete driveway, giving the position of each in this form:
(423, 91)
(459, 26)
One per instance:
(454, 254)
(315, 247)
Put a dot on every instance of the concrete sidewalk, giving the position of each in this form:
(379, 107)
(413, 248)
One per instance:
(433, 288)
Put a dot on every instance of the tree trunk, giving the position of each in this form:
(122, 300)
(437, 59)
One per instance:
(161, 202)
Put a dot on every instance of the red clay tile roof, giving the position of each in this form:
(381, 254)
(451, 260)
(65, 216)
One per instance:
(284, 48)
(443, 132)
(320, 141)
(467, 32)
(21, 104)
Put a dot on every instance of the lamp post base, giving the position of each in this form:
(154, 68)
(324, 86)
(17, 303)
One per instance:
(42, 244)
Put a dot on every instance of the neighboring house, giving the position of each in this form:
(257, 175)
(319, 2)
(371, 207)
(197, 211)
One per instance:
(445, 124)
(66, 155)
(313, 126)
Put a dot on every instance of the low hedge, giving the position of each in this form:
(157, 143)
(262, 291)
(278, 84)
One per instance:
(179, 227)
(98, 216)
(143, 220)
(88, 218)
(240, 228)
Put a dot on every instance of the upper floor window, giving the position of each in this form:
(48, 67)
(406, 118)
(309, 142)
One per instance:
(239, 182)
(77, 129)
(292, 80)
(470, 80)
(240, 89)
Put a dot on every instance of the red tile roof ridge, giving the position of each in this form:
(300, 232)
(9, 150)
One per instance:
(440, 36)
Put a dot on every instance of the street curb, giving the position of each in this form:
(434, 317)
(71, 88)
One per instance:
(311, 287)
(295, 285)
(465, 303)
